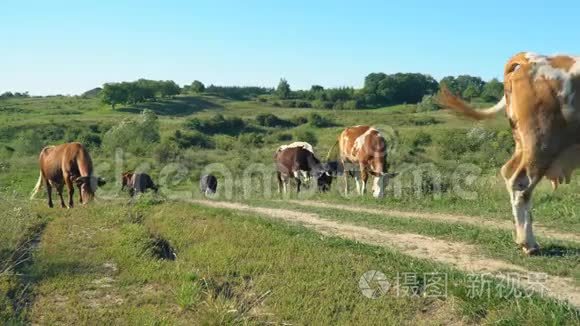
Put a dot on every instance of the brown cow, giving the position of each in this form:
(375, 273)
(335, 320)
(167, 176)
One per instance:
(366, 147)
(544, 114)
(65, 164)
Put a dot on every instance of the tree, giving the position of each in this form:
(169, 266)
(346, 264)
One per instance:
(470, 92)
(114, 93)
(169, 88)
(492, 91)
(283, 89)
(197, 87)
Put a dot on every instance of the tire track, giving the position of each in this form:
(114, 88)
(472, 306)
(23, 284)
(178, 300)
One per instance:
(461, 219)
(463, 257)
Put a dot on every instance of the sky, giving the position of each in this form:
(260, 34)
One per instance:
(68, 47)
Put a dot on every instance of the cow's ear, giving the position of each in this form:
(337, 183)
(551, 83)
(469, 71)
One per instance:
(81, 180)
(392, 174)
(101, 182)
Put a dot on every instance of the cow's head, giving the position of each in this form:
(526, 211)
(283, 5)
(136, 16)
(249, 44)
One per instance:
(88, 185)
(322, 173)
(380, 182)
(126, 179)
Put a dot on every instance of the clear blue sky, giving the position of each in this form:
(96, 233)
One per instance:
(68, 47)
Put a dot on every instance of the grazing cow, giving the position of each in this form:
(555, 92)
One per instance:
(137, 182)
(541, 104)
(302, 144)
(366, 147)
(67, 164)
(299, 144)
(208, 184)
(292, 162)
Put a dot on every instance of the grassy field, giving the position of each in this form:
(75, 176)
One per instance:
(164, 261)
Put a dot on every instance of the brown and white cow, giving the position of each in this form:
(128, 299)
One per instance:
(366, 147)
(541, 100)
(296, 162)
(67, 164)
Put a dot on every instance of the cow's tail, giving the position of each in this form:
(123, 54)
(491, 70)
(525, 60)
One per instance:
(450, 101)
(331, 150)
(37, 187)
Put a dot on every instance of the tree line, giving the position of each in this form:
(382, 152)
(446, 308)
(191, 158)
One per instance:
(379, 89)
(138, 91)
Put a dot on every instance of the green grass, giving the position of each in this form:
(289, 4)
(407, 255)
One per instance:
(98, 265)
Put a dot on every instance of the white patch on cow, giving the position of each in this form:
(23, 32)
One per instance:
(360, 140)
(302, 144)
(536, 58)
(378, 186)
(543, 69)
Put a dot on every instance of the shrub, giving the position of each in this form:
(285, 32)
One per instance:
(218, 124)
(270, 120)
(224, 142)
(352, 105)
(28, 142)
(135, 136)
(427, 104)
(320, 104)
(191, 139)
(306, 136)
(422, 139)
(165, 152)
(251, 139)
(299, 120)
(424, 121)
(316, 120)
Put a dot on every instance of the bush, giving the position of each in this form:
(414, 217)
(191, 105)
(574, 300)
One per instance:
(352, 105)
(270, 120)
(224, 142)
(299, 120)
(135, 136)
(422, 139)
(218, 124)
(424, 121)
(165, 152)
(251, 139)
(427, 104)
(303, 104)
(191, 139)
(91, 141)
(306, 136)
(28, 142)
(320, 104)
(318, 121)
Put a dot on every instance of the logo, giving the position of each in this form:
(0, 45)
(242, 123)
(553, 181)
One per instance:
(373, 284)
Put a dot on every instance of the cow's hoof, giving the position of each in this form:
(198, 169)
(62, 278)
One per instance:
(531, 251)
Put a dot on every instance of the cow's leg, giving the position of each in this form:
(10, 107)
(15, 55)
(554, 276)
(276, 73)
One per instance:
(71, 190)
(49, 193)
(364, 176)
(520, 187)
(298, 184)
(280, 182)
(59, 190)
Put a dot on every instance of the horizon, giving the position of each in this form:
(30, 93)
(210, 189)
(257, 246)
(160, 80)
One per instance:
(69, 48)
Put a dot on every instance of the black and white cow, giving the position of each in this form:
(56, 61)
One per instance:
(208, 184)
